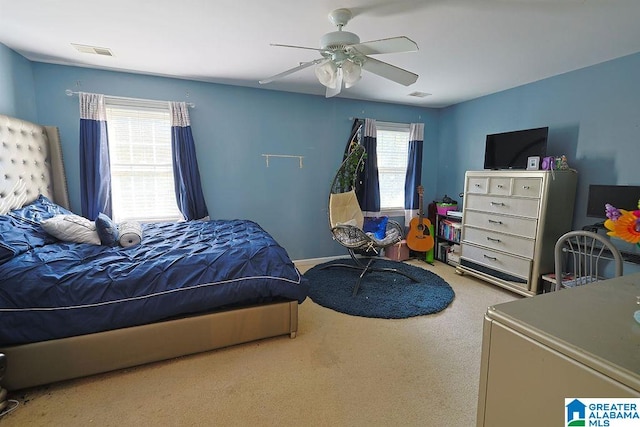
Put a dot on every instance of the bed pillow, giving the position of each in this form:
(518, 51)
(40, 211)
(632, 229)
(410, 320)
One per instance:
(40, 209)
(20, 229)
(107, 230)
(377, 226)
(18, 236)
(72, 228)
(130, 233)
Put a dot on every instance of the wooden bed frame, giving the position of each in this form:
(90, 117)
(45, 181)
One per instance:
(45, 362)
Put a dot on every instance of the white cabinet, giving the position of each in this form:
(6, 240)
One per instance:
(511, 221)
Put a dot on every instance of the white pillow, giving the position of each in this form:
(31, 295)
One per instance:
(72, 228)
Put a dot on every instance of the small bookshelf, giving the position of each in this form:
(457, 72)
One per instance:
(448, 232)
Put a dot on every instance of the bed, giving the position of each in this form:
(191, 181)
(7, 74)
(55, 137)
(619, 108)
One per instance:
(75, 309)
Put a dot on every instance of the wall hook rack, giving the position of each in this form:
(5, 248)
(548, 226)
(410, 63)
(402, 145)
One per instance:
(267, 156)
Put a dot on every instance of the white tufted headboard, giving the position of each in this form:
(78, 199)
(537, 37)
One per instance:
(31, 162)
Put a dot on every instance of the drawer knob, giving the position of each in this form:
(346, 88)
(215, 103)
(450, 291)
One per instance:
(493, 221)
(497, 204)
(491, 239)
(526, 187)
(477, 185)
(492, 258)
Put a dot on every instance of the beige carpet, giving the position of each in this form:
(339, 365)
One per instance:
(340, 371)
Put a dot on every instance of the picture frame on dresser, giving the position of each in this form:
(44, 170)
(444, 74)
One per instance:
(533, 163)
(510, 224)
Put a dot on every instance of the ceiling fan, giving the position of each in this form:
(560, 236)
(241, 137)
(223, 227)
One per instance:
(344, 57)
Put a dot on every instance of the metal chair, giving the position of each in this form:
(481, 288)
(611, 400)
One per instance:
(346, 220)
(583, 257)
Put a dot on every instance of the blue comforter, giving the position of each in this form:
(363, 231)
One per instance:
(66, 289)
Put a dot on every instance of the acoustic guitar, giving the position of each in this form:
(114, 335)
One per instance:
(419, 236)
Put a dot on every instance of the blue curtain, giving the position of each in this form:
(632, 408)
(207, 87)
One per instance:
(95, 169)
(414, 172)
(369, 192)
(185, 165)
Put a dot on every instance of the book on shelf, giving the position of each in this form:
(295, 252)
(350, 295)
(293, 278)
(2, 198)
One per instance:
(442, 251)
(450, 230)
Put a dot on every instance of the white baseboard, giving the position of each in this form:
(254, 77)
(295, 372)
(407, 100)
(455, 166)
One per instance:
(310, 262)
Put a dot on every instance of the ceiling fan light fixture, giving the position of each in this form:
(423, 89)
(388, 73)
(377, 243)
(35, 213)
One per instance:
(351, 73)
(343, 57)
(327, 74)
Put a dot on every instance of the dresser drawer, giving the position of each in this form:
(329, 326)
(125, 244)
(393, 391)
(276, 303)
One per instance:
(499, 186)
(527, 187)
(502, 242)
(525, 227)
(511, 264)
(478, 185)
(503, 205)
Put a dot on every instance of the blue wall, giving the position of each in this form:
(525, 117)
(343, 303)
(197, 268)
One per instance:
(17, 95)
(593, 116)
(233, 127)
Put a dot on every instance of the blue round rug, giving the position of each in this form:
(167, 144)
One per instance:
(382, 294)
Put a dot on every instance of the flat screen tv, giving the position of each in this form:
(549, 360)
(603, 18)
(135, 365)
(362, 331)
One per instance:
(510, 150)
(620, 196)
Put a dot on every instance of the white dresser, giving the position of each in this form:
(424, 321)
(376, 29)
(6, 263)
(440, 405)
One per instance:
(511, 221)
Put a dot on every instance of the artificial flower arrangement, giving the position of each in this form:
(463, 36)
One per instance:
(626, 226)
(623, 224)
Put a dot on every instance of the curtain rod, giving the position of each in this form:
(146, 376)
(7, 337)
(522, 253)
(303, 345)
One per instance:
(69, 92)
(381, 121)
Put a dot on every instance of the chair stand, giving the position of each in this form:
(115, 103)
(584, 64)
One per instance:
(365, 268)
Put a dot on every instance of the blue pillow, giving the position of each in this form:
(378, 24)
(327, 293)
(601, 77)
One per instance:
(18, 235)
(107, 230)
(38, 210)
(377, 226)
(20, 229)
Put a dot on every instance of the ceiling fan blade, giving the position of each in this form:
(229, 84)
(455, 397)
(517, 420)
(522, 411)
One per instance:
(297, 47)
(391, 45)
(291, 71)
(390, 72)
(334, 91)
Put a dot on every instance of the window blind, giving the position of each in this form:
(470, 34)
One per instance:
(141, 163)
(392, 155)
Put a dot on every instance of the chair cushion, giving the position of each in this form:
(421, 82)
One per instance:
(392, 237)
(377, 226)
(344, 207)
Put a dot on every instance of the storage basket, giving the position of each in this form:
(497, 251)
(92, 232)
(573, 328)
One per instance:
(397, 252)
(443, 208)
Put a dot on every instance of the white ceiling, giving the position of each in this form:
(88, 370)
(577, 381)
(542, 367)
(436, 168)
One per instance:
(468, 48)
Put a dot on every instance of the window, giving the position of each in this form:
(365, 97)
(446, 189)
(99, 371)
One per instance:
(142, 185)
(393, 153)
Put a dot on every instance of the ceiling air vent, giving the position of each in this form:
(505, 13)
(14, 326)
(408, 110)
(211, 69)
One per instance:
(93, 49)
(419, 94)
